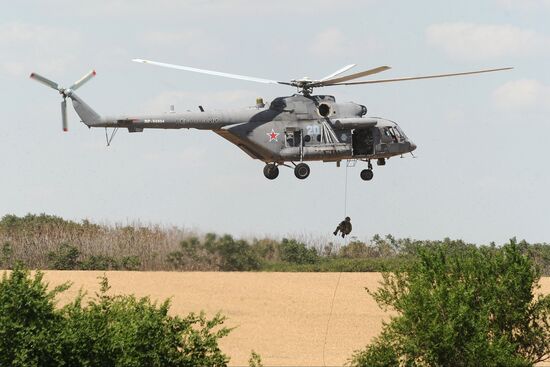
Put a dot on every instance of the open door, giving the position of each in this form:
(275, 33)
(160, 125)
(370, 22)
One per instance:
(363, 141)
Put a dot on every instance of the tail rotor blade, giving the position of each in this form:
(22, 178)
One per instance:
(64, 115)
(47, 82)
(83, 80)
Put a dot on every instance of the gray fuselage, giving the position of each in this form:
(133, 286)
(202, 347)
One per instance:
(293, 128)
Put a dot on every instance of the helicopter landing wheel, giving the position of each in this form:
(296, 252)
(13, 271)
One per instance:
(271, 171)
(301, 171)
(367, 174)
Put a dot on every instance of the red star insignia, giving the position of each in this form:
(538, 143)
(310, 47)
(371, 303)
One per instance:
(273, 135)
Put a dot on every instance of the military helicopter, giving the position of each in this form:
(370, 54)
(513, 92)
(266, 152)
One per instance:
(288, 132)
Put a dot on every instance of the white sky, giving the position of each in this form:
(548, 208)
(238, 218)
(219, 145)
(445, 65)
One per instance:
(481, 173)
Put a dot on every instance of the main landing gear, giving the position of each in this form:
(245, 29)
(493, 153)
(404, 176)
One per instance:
(301, 171)
(271, 171)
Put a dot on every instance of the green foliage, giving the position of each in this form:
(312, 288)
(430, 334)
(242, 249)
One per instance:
(46, 241)
(235, 255)
(255, 360)
(462, 306)
(225, 253)
(130, 263)
(14, 223)
(65, 258)
(29, 323)
(68, 257)
(108, 331)
(99, 262)
(295, 252)
(266, 249)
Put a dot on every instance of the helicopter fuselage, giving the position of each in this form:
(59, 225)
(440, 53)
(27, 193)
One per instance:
(296, 128)
(291, 129)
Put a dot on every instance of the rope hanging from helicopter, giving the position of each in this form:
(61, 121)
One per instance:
(346, 192)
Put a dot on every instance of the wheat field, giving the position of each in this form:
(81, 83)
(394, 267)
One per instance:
(281, 316)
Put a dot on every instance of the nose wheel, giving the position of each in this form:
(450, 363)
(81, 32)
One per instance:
(271, 171)
(367, 174)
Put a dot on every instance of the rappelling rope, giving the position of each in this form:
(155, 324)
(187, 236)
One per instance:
(346, 192)
(340, 273)
(330, 316)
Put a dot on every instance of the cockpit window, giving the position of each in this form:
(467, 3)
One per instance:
(390, 132)
(400, 132)
(397, 133)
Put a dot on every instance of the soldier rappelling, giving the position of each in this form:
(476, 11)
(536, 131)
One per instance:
(344, 227)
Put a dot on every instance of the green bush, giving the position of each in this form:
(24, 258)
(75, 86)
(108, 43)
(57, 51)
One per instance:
(235, 255)
(29, 324)
(99, 262)
(130, 263)
(216, 253)
(462, 306)
(64, 258)
(292, 251)
(68, 257)
(107, 331)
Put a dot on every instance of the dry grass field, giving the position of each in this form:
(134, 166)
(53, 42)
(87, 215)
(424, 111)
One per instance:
(282, 316)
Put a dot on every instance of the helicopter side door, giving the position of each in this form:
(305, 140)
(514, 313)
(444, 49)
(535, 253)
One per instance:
(363, 141)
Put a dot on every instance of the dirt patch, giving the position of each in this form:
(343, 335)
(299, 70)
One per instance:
(282, 316)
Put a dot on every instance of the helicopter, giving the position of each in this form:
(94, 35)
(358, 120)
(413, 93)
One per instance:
(288, 132)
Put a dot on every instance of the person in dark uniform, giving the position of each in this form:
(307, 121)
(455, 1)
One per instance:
(344, 227)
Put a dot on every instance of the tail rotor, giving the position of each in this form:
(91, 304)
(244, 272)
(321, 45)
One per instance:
(65, 92)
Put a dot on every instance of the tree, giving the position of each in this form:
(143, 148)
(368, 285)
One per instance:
(462, 306)
(119, 330)
(236, 255)
(295, 252)
(29, 323)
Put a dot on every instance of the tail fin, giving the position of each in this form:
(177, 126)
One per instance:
(88, 116)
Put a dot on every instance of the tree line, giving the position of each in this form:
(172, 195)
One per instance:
(50, 242)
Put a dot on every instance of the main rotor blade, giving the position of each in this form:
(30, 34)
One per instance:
(423, 77)
(351, 76)
(82, 80)
(47, 82)
(210, 72)
(339, 71)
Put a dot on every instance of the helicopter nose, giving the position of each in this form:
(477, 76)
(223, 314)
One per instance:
(412, 146)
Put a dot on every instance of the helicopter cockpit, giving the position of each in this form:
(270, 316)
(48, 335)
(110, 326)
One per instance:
(393, 134)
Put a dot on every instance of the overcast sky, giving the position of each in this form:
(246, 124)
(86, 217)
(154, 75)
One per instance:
(481, 172)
